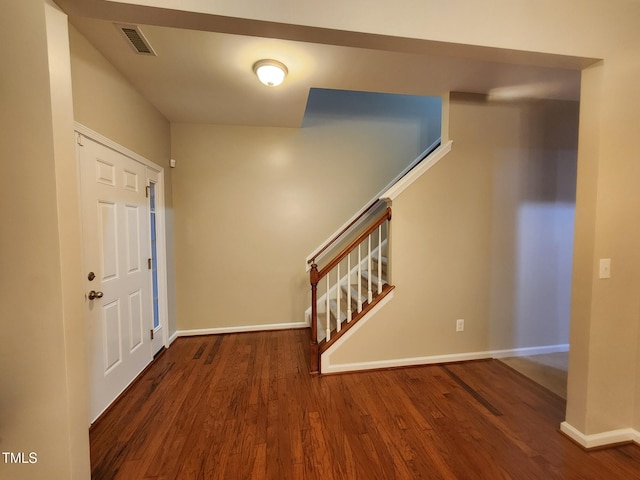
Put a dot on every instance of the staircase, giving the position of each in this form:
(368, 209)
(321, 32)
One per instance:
(355, 291)
(347, 288)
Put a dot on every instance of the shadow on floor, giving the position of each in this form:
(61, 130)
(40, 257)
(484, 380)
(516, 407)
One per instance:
(549, 370)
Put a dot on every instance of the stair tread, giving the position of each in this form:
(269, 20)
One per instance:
(374, 277)
(333, 306)
(322, 327)
(349, 291)
(383, 259)
(354, 292)
(354, 288)
(355, 315)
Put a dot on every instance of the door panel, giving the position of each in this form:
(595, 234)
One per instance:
(108, 229)
(137, 320)
(115, 217)
(111, 326)
(133, 238)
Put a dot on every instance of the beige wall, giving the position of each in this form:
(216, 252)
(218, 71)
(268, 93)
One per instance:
(603, 389)
(107, 103)
(43, 382)
(486, 235)
(604, 392)
(252, 203)
(43, 388)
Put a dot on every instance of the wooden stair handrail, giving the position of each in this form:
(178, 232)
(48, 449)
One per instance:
(349, 248)
(343, 231)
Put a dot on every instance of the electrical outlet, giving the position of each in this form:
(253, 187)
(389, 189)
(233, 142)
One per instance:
(460, 325)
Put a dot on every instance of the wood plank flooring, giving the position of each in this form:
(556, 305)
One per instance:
(549, 370)
(243, 406)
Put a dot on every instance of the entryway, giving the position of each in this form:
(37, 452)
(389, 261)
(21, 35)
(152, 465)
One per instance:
(123, 258)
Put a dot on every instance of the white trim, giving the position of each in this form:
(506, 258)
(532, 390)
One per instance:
(328, 367)
(379, 196)
(417, 172)
(173, 337)
(241, 329)
(401, 362)
(431, 148)
(602, 439)
(102, 140)
(527, 351)
(161, 251)
(161, 239)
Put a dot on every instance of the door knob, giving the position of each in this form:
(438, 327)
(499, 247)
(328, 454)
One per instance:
(93, 295)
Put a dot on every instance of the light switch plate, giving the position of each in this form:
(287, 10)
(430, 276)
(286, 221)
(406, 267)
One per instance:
(605, 268)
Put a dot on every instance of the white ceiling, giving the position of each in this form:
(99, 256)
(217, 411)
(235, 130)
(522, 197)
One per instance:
(203, 76)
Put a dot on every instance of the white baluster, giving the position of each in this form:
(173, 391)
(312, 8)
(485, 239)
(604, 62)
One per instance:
(338, 296)
(379, 259)
(369, 291)
(349, 287)
(328, 315)
(359, 279)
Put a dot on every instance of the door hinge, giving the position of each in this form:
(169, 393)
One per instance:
(151, 331)
(79, 140)
(149, 263)
(146, 191)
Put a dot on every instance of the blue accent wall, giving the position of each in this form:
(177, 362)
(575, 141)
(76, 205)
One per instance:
(328, 105)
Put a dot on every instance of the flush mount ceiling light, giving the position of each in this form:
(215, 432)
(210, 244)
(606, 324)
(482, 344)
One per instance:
(270, 72)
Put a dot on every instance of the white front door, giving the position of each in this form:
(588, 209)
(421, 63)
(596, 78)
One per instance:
(118, 276)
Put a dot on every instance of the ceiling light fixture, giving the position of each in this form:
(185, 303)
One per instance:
(270, 72)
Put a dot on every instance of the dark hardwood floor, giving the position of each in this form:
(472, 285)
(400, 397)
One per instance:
(243, 406)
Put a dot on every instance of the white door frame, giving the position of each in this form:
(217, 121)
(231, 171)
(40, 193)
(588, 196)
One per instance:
(163, 305)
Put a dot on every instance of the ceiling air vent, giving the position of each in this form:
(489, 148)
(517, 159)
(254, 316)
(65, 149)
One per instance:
(136, 39)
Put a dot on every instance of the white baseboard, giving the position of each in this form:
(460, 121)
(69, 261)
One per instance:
(329, 367)
(173, 336)
(527, 351)
(600, 439)
(240, 329)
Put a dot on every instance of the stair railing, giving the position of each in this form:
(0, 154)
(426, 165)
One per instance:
(413, 171)
(370, 241)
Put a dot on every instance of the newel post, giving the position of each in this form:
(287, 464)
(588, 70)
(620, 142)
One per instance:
(314, 277)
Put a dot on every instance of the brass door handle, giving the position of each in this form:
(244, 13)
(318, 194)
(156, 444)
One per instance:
(93, 295)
